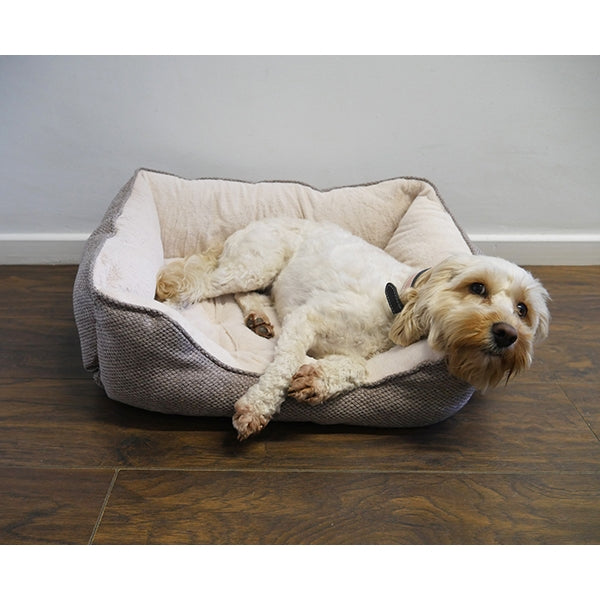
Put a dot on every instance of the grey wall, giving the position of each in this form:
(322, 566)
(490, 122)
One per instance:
(512, 143)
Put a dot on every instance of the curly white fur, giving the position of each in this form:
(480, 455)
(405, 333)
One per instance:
(328, 289)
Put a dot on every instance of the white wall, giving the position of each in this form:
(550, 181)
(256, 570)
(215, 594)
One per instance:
(512, 143)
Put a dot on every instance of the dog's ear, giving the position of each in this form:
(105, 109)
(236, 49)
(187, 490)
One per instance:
(541, 307)
(409, 326)
(541, 332)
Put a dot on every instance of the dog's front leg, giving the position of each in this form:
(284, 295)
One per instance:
(315, 382)
(256, 407)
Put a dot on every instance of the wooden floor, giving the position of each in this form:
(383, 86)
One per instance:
(520, 465)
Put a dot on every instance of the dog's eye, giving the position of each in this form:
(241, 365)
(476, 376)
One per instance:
(522, 310)
(478, 289)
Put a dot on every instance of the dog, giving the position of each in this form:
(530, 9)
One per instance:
(341, 300)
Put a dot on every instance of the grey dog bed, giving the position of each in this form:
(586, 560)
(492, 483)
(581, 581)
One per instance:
(200, 360)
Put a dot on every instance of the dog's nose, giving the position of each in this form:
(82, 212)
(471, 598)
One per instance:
(504, 334)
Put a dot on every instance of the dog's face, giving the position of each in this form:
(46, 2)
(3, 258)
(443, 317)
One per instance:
(484, 314)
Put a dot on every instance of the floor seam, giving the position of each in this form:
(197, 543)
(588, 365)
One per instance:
(365, 471)
(574, 404)
(104, 505)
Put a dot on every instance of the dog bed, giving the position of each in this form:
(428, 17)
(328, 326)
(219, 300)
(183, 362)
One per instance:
(199, 360)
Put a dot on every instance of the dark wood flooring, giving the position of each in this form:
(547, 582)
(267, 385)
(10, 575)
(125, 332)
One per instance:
(519, 465)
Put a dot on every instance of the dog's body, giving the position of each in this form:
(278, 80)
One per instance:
(328, 288)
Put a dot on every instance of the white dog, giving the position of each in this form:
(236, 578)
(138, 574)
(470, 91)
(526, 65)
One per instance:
(329, 291)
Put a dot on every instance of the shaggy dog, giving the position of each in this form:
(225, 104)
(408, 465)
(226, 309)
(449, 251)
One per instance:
(329, 290)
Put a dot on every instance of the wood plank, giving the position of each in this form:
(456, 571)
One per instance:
(526, 427)
(50, 506)
(344, 508)
(522, 427)
(570, 280)
(37, 327)
(36, 290)
(43, 347)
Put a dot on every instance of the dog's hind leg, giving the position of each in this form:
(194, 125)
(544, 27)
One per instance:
(250, 260)
(201, 276)
(258, 405)
(315, 382)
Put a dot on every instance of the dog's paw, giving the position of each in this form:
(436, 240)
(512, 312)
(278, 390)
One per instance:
(247, 420)
(260, 324)
(307, 385)
(169, 281)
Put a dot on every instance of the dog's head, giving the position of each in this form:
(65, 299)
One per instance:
(483, 313)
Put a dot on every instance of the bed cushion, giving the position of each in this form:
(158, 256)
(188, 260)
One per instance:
(200, 360)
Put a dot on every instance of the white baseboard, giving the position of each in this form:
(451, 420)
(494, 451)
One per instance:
(41, 248)
(524, 249)
(541, 249)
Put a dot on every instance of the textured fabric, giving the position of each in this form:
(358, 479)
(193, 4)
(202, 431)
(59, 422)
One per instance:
(149, 355)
